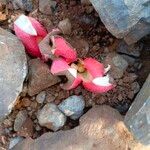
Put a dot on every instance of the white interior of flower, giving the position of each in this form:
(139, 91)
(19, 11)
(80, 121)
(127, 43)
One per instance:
(73, 72)
(25, 24)
(102, 81)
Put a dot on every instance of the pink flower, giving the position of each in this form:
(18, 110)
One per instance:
(61, 67)
(54, 46)
(63, 49)
(89, 71)
(30, 32)
(98, 82)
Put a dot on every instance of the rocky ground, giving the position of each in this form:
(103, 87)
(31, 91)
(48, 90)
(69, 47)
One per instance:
(43, 106)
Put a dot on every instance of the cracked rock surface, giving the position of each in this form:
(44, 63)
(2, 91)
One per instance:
(13, 70)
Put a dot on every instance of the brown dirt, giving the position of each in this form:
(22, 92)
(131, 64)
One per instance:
(88, 26)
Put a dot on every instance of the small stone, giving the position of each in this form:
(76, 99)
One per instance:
(29, 108)
(40, 77)
(26, 102)
(85, 2)
(65, 26)
(135, 87)
(118, 64)
(7, 123)
(20, 119)
(14, 141)
(41, 97)
(34, 105)
(47, 7)
(50, 97)
(38, 128)
(72, 106)
(51, 117)
(89, 9)
(26, 129)
(26, 5)
(131, 95)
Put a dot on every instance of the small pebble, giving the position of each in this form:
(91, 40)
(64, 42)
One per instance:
(85, 2)
(20, 119)
(89, 9)
(51, 117)
(7, 122)
(40, 98)
(47, 7)
(38, 128)
(131, 95)
(65, 26)
(26, 5)
(27, 128)
(135, 87)
(118, 65)
(50, 98)
(26, 102)
(73, 105)
(29, 108)
(34, 105)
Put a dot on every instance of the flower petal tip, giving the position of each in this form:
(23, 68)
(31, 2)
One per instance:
(59, 66)
(30, 32)
(99, 85)
(94, 67)
(64, 49)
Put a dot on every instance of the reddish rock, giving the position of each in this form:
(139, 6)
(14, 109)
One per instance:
(27, 128)
(40, 77)
(23, 125)
(26, 102)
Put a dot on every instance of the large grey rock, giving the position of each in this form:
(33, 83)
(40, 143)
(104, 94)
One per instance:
(13, 70)
(72, 106)
(101, 128)
(125, 18)
(51, 117)
(137, 118)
